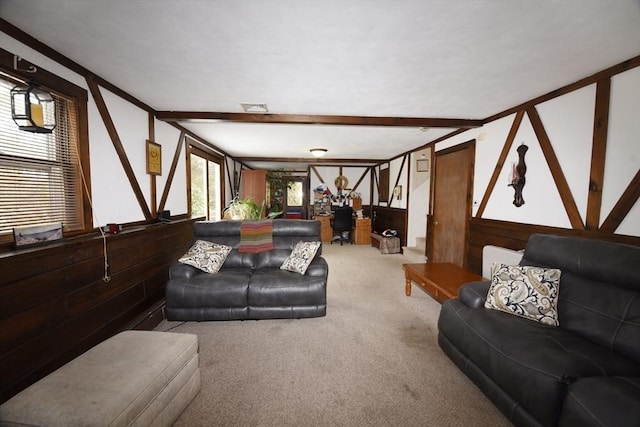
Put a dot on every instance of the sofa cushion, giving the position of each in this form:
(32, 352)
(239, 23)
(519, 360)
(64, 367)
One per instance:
(529, 292)
(599, 288)
(286, 233)
(228, 288)
(206, 256)
(275, 287)
(301, 256)
(597, 401)
(530, 361)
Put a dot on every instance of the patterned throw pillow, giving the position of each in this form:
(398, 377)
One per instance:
(300, 257)
(206, 256)
(529, 292)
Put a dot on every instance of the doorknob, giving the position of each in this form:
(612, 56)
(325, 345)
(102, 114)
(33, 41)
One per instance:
(435, 222)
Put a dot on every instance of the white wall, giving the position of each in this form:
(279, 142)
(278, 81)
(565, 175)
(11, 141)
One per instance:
(418, 201)
(568, 121)
(112, 196)
(353, 175)
(623, 146)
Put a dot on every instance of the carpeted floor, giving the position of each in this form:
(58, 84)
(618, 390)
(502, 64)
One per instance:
(372, 361)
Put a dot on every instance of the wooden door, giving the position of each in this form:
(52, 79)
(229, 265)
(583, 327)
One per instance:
(452, 201)
(295, 198)
(254, 185)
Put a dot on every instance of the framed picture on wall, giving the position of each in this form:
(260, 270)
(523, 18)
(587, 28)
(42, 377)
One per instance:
(422, 165)
(154, 158)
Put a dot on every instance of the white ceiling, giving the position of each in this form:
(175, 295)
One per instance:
(462, 59)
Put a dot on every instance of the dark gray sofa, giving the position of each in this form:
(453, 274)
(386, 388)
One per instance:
(586, 372)
(250, 285)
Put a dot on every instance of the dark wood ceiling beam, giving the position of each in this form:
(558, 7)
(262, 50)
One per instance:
(310, 119)
(322, 161)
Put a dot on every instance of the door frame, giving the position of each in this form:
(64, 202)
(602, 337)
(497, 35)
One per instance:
(469, 199)
(209, 157)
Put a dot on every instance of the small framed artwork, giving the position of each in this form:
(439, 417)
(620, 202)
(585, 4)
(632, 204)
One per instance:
(154, 158)
(35, 234)
(397, 192)
(422, 165)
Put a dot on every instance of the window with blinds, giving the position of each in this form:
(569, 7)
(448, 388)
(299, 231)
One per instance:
(40, 178)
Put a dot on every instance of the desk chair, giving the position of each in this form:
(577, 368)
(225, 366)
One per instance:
(342, 225)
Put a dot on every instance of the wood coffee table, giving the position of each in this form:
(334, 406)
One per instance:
(440, 280)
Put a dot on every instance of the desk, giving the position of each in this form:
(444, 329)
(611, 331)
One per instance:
(362, 230)
(326, 232)
(440, 280)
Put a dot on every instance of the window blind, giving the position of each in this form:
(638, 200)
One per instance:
(39, 174)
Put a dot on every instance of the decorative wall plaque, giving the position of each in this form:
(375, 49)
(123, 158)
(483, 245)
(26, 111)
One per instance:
(154, 158)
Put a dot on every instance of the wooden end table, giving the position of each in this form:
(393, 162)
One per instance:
(440, 280)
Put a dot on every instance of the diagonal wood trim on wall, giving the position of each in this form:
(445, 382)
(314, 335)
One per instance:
(117, 144)
(232, 182)
(315, 171)
(503, 156)
(153, 199)
(596, 179)
(172, 171)
(364, 174)
(375, 185)
(623, 206)
(404, 161)
(556, 171)
(598, 153)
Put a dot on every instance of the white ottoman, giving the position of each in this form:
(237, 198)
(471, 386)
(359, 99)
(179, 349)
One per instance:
(135, 378)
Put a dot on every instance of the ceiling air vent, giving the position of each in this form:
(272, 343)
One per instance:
(254, 107)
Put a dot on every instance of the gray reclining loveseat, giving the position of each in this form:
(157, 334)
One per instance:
(250, 285)
(583, 372)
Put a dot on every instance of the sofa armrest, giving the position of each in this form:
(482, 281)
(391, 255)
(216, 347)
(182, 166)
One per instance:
(474, 294)
(180, 271)
(318, 268)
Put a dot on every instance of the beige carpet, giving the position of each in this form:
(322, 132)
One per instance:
(372, 361)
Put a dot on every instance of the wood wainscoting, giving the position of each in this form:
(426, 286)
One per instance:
(393, 218)
(54, 303)
(513, 235)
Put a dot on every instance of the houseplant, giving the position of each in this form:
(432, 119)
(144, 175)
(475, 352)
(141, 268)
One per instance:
(242, 209)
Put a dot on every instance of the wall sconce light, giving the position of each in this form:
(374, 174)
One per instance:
(318, 152)
(33, 109)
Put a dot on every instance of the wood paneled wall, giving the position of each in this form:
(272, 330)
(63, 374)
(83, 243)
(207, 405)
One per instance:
(514, 235)
(393, 218)
(54, 303)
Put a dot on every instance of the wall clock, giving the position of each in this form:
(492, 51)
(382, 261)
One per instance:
(154, 158)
